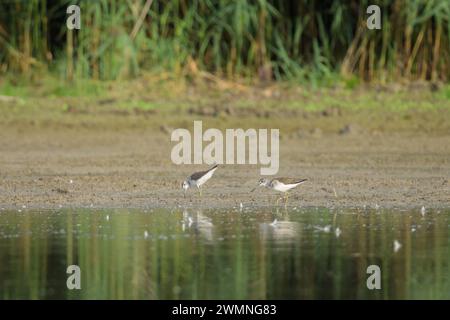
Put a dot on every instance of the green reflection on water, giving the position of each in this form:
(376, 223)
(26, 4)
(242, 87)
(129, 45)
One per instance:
(192, 254)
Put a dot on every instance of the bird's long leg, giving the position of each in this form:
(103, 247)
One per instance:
(286, 199)
(200, 190)
(278, 199)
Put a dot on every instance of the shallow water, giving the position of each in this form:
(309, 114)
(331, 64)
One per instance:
(225, 254)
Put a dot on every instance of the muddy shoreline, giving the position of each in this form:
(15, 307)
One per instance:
(52, 167)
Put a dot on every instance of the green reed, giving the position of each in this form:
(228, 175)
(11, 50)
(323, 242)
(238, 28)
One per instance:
(302, 40)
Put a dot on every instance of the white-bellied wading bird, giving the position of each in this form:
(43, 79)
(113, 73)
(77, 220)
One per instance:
(281, 185)
(197, 179)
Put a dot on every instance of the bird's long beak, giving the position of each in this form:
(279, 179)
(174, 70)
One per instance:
(253, 190)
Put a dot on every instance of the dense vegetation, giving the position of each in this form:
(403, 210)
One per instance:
(301, 40)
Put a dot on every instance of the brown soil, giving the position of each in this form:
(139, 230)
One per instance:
(51, 166)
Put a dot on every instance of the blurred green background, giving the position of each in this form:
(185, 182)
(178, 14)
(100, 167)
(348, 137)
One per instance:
(305, 41)
(262, 60)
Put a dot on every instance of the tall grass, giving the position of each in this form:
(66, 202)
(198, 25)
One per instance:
(302, 40)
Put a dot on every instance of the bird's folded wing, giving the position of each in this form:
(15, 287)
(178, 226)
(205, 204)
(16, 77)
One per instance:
(290, 180)
(203, 176)
(207, 176)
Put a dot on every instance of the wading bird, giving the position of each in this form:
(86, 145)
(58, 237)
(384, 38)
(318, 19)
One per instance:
(197, 179)
(281, 185)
